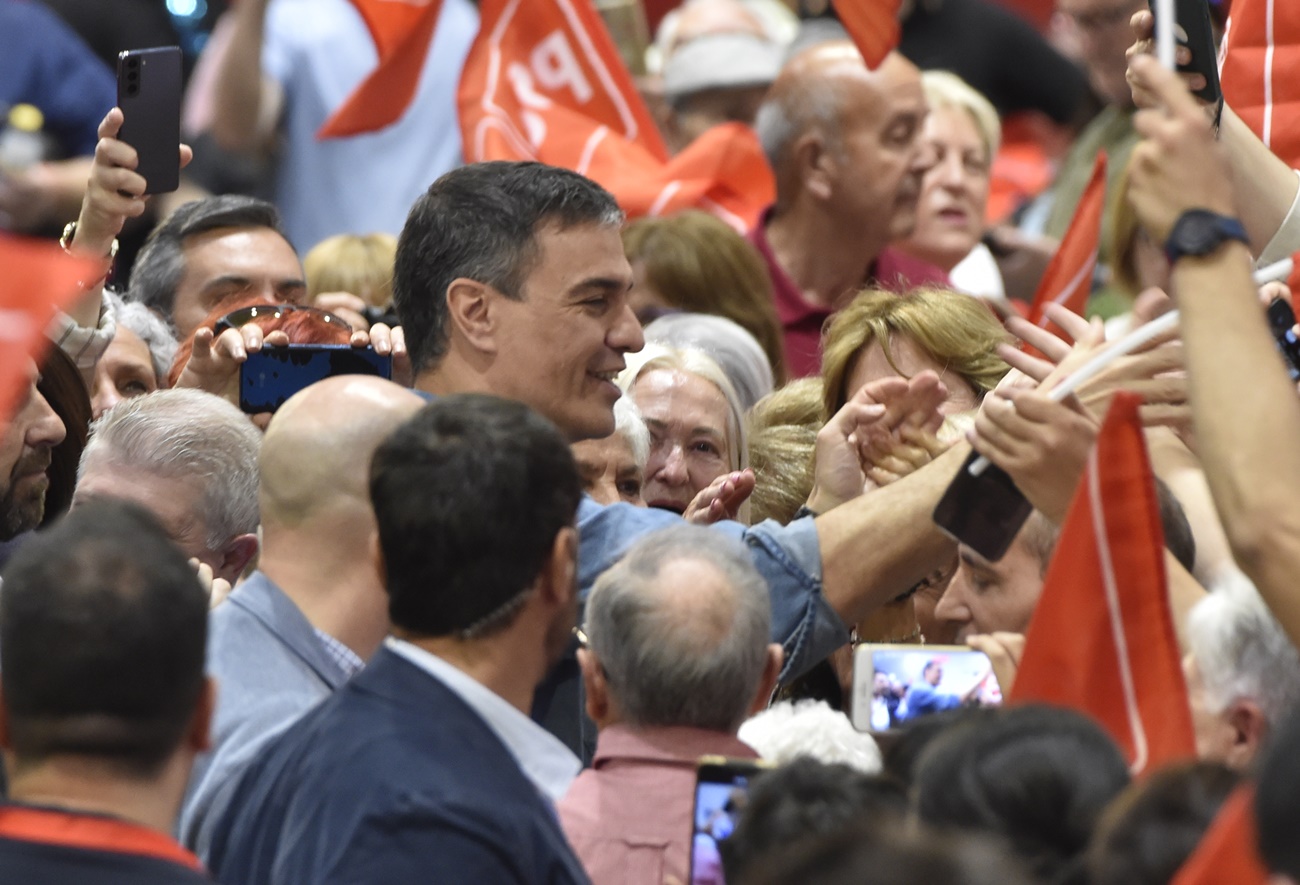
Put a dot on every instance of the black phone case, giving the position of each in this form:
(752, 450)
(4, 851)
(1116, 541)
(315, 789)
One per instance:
(149, 94)
(269, 377)
(983, 512)
(1194, 18)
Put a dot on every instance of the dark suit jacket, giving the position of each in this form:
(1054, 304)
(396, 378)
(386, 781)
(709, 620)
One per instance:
(394, 779)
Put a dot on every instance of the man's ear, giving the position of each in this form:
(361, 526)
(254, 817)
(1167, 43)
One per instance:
(235, 557)
(561, 569)
(198, 736)
(767, 684)
(595, 686)
(469, 306)
(1249, 729)
(813, 163)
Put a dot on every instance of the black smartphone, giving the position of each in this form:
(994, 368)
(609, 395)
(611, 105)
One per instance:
(1281, 319)
(983, 512)
(721, 792)
(897, 684)
(273, 374)
(149, 94)
(1196, 33)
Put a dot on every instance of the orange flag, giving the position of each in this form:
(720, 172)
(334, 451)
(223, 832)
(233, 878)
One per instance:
(39, 279)
(1260, 72)
(545, 82)
(1227, 850)
(1068, 278)
(873, 25)
(402, 31)
(1101, 640)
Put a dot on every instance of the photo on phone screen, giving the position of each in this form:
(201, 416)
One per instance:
(269, 377)
(896, 684)
(149, 94)
(721, 792)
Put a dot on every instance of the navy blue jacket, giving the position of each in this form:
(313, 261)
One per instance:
(393, 779)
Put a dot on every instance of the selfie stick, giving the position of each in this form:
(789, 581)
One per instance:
(1143, 334)
(1166, 24)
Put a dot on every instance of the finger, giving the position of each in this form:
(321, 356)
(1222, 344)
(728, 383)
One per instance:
(1030, 366)
(1168, 87)
(230, 343)
(1038, 408)
(252, 337)
(881, 477)
(1165, 415)
(1072, 324)
(380, 340)
(111, 124)
(278, 338)
(1040, 339)
(359, 338)
(998, 414)
(1143, 24)
(187, 154)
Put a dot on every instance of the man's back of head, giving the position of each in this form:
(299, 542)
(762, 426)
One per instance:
(680, 629)
(102, 638)
(188, 457)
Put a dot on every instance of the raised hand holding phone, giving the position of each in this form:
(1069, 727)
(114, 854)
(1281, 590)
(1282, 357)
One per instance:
(149, 94)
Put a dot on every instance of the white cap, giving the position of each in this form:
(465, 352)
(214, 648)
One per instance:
(721, 61)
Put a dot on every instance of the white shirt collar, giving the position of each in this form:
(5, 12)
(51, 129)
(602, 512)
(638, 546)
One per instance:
(547, 762)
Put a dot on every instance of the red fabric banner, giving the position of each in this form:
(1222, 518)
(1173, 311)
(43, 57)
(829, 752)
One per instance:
(1260, 72)
(873, 25)
(1227, 851)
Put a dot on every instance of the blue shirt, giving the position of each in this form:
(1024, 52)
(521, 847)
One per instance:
(923, 699)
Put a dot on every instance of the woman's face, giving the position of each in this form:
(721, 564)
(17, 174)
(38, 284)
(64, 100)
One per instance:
(689, 443)
(872, 365)
(125, 371)
(954, 192)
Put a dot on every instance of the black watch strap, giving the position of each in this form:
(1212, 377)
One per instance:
(1201, 232)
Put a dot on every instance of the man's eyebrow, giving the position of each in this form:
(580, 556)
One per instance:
(604, 284)
(227, 280)
(974, 560)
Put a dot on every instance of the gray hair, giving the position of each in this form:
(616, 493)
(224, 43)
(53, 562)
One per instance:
(1241, 651)
(186, 434)
(628, 421)
(676, 656)
(734, 349)
(149, 328)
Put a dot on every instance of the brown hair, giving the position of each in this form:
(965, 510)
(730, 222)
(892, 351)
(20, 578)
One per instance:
(955, 330)
(782, 437)
(697, 263)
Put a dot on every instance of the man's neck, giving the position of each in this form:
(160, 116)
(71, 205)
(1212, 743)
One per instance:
(88, 787)
(502, 664)
(335, 587)
(827, 260)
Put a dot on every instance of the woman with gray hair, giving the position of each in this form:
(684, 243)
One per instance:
(137, 359)
(735, 350)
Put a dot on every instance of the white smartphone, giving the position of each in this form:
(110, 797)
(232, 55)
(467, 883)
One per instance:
(896, 684)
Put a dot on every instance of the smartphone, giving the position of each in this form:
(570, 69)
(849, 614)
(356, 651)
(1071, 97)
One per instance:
(273, 374)
(1195, 31)
(721, 792)
(149, 94)
(1281, 319)
(897, 684)
(983, 512)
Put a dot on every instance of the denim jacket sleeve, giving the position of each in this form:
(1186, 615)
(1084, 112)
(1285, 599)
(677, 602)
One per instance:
(788, 557)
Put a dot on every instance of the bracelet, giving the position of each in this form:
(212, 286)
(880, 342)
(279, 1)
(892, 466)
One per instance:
(65, 242)
(803, 511)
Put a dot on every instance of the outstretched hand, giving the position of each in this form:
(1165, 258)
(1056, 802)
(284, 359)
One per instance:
(721, 499)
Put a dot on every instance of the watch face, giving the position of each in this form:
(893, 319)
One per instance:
(1200, 233)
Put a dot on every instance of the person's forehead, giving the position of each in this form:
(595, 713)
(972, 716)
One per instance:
(952, 124)
(246, 251)
(679, 397)
(127, 348)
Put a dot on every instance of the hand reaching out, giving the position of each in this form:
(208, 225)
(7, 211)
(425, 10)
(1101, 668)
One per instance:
(721, 499)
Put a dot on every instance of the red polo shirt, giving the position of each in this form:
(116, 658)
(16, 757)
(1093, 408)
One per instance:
(802, 321)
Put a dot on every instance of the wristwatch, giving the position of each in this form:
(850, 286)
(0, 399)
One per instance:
(1200, 232)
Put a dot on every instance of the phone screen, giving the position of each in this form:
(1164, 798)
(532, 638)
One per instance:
(721, 792)
(896, 684)
(273, 374)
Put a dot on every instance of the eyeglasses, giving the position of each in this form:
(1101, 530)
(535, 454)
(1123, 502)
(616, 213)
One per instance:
(246, 315)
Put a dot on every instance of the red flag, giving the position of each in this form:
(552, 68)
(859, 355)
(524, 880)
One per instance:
(1068, 278)
(402, 31)
(1101, 640)
(1227, 850)
(873, 25)
(39, 279)
(546, 83)
(1260, 72)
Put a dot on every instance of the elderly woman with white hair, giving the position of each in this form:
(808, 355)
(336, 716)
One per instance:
(735, 350)
(962, 134)
(696, 423)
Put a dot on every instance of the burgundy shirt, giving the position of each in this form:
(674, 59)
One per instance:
(628, 817)
(802, 322)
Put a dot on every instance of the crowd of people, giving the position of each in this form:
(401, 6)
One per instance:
(638, 492)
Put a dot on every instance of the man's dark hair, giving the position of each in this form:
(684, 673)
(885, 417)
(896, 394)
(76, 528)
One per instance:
(469, 495)
(801, 799)
(161, 263)
(1037, 777)
(480, 222)
(1277, 800)
(103, 631)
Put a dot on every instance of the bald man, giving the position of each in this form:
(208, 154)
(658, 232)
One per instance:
(315, 610)
(843, 142)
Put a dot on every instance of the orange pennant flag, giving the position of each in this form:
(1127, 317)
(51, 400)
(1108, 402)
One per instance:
(873, 25)
(1068, 278)
(402, 31)
(546, 83)
(39, 280)
(1227, 851)
(1260, 72)
(1101, 640)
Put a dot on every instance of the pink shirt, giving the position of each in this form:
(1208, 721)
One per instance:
(802, 321)
(628, 817)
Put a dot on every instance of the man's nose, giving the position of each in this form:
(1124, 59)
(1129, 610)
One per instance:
(47, 429)
(625, 335)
